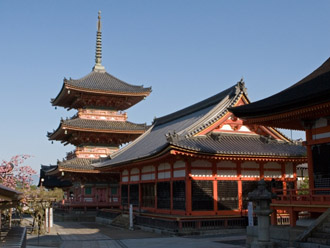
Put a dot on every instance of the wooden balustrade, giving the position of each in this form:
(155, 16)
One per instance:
(320, 196)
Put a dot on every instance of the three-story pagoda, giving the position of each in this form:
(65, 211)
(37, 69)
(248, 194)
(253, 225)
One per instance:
(100, 125)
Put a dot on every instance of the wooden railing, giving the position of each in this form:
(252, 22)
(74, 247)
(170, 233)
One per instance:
(303, 196)
(113, 201)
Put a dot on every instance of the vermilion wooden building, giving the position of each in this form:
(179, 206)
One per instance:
(97, 130)
(303, 106)
(203, 161)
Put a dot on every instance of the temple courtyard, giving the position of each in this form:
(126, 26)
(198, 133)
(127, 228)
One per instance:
(94, 235)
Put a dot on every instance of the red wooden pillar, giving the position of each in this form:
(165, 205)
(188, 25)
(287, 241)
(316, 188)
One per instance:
(171, 186)
(295, 175)
(262, 171)
(293, 217)
(309, 138)
(273, 218)
(283, 178)
(140, 188)
(129, 182)
(188, 189)
(215, 186)
(239, 185)
(107, 193)
(82, 193)
(156, 180)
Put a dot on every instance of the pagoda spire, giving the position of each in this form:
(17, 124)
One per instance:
(98, 67)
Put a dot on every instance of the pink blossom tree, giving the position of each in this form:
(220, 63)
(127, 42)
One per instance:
(15, 175)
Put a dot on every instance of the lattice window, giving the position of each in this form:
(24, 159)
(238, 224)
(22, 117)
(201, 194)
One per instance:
(124, 194)
(179, 195)
(247, 187)
(148, 195)
(164, 195)
(202, 195)
(134, 194)
(227, 195)
(88, 190)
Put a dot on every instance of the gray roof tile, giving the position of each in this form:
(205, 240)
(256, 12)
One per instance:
(77, 164)
(104, 125)
(239, 144)
(182, 122)
(311, 90)
(105, 82)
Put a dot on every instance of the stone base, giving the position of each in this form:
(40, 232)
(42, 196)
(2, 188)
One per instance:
(262, 244)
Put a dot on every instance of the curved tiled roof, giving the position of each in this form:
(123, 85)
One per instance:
(51, 181)
(98, 126)
(80, 164)
(104, 125)
(183, 122)
(239, 144)
(312, 90)
(103, 81)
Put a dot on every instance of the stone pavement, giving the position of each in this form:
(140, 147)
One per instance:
(93, 235)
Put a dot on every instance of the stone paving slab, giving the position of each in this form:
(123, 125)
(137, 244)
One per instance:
(175, 242)
(93, 235)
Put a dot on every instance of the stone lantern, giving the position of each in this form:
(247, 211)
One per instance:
(262, 197)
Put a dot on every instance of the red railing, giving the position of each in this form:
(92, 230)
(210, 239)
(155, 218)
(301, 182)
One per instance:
(319, 196)
(113, 201)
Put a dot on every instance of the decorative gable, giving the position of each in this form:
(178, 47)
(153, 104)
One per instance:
(229, 123)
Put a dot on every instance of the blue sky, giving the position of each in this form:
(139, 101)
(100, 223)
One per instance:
(186, 50)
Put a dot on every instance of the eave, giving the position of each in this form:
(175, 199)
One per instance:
(64, 132)
(189, 153)
(293, 119)
(153, 157)
(68, 96)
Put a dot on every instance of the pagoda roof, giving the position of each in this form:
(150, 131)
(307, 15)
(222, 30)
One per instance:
(51, 181)
(180, 129)
(103, 81)
(239, 145)
(77, 164)
(98, 83)
(80, 165)
(101, 126)
(310, 91)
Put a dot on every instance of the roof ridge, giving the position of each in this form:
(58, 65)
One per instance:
(218, 111)
(194, 108)
(104, 73)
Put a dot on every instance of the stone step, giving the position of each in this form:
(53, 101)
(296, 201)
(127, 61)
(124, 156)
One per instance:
(324, 229)
(326, 224)
(319, 241)
(320, 234)
(121, 221)
(311, 245)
